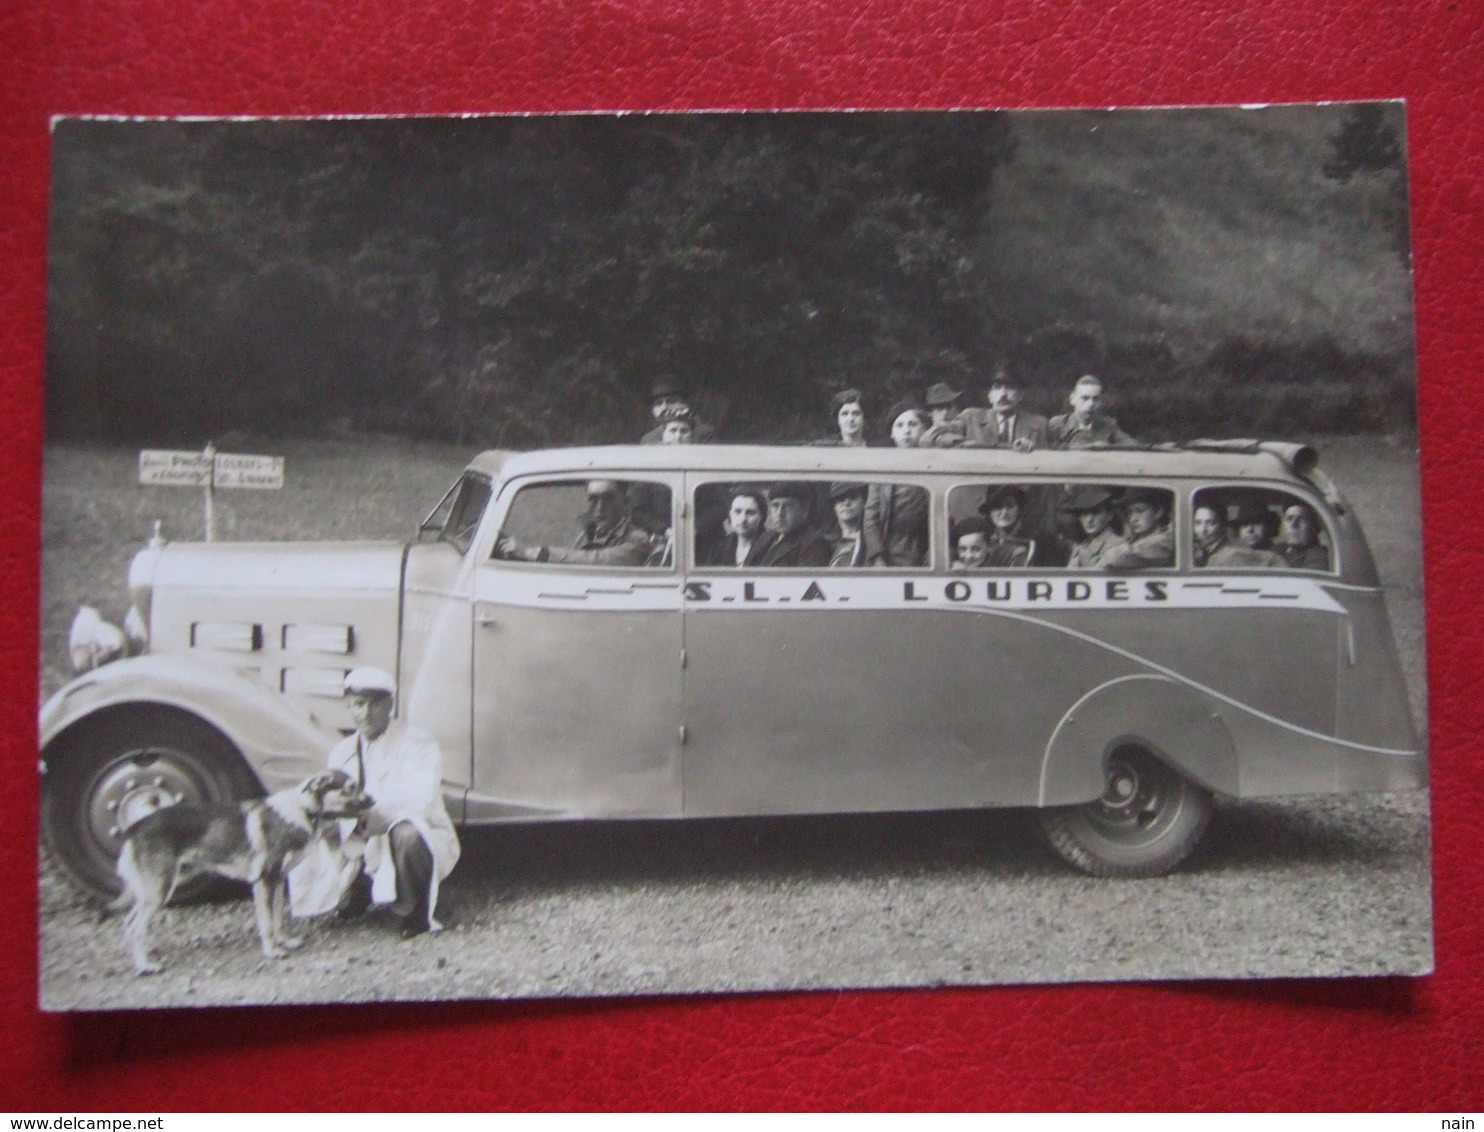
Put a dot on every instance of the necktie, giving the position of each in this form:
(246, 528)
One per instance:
(1004, 430)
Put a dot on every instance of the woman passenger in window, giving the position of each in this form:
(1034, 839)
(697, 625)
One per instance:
(1009, 549)
(1299, 541)
(897, 514)
(1093, 508)
(850, 419)
(849, 545)
(1214, 548)
(1148, 543)
(745, 541)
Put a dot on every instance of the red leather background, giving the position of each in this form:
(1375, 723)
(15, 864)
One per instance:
(1388, 1044)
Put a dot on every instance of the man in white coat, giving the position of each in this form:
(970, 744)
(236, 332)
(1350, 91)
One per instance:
(410, 841)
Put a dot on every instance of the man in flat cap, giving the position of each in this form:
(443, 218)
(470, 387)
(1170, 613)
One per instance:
(410, 843)
(788, 518)
(607, 537)
(1092, 506)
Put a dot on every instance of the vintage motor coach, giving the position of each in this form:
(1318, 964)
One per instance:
(585, 638)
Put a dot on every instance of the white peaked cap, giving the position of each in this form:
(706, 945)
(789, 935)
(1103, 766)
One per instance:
(359, 681)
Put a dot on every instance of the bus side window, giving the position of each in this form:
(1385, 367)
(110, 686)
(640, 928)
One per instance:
(1002, 526)
(1260, 528)
(597, 522)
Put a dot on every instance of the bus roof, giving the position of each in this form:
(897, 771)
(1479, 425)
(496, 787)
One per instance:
(1226, 459)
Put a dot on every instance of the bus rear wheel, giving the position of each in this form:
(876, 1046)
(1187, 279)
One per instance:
(1147, 821)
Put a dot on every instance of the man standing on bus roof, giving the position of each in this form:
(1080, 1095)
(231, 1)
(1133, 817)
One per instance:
(1085, 426)
(1003, 424)
(943, 430)
(667, 398)
(1149, 544)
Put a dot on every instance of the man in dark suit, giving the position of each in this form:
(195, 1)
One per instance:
(1004, 424)
(796, 543)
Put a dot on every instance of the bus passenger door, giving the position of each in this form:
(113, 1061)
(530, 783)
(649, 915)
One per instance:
(576, 656)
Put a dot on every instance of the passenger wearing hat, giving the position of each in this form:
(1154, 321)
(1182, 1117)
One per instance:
(1008, 548)
(849, 502)
(1148, 543)
(1093, 508)
(943, 430)
(1086, 426)
(410, 843)
(608, 536)
(1004, 424)
(795, 543)
(666, 400)
(1213, 547)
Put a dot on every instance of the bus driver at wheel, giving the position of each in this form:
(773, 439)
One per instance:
(608, 536)
(410, 843)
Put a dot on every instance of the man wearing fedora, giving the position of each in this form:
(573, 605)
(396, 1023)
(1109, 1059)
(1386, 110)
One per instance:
(1004, 424)
(943, 431)
(1092, 506)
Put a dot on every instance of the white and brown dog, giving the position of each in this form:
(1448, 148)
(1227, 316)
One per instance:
(258, 842)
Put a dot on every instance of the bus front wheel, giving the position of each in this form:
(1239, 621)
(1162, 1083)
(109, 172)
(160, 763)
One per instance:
(1147, 821)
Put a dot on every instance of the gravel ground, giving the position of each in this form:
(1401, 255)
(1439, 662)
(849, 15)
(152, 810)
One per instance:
(1321, 886)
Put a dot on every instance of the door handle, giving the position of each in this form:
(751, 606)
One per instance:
(486, 619)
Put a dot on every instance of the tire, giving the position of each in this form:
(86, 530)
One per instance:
(107, 775)
(1147, 821)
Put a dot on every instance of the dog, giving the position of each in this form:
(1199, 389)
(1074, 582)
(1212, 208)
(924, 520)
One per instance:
(258, 842)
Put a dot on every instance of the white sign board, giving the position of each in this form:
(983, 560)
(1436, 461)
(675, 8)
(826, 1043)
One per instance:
(163, 468)
(263, 473)
(174, 469)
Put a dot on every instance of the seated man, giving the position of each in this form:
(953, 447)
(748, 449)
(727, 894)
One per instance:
(788, 519)
(1085, 426)
(1092, 506)
(608, 536)
(410, 843)
(1148, 544)
(1299, 543)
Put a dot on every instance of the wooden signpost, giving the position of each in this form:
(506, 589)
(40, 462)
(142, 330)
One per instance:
(209, 470)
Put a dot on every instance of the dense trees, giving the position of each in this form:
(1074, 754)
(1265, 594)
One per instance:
(521, 281)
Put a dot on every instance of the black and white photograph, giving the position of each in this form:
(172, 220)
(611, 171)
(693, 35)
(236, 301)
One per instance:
(638, 554)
